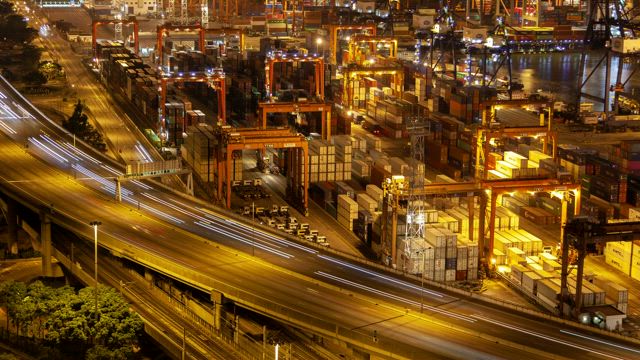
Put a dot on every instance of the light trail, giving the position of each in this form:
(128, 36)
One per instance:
(387, 278)
(600, 341)
(396, 297)
(47, 150)
(542, 336)
(248, 242)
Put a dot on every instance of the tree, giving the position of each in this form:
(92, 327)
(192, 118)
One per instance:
(117, 328)
(35, 78)
(11, 295)
(30, 57)
(78, 124)
(50, 70)
(15, 30)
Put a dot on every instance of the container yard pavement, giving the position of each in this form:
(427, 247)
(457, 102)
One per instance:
(338, 237)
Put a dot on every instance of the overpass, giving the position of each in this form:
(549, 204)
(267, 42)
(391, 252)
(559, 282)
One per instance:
(372, 309)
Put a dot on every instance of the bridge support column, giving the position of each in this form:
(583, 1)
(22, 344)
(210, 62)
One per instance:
(12, 226)
(148, 275)
(45, 243)
(118, 191)
(216, 298)
(236, 330)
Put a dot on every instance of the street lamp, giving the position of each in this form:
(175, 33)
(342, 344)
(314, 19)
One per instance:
(95, 225)
(318, 43)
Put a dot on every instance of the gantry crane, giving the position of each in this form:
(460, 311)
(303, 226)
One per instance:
(315, 104)
(396, 189)
(97, 23)
(215, 78)
(581, 232)
(266, 108)
(353, 73)
(226, 31)
(356, 41)
(279, 57)
(488, 131)
(369, 29)
(165, 29)
(565, 191)
(232, 140)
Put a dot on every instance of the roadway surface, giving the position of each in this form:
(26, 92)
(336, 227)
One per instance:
(380, 309)
(115, 125)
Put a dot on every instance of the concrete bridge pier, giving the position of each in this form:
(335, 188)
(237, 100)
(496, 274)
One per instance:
(45, 244)
(12, 226)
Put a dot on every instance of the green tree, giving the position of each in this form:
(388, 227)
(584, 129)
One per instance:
(15, 30)
(6, 8)
(35, 78)
(50, 70)
(30, 57)
(117, 328)
(78, 124)
(12, 294)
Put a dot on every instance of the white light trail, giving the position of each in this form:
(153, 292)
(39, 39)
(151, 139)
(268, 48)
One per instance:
(396, 297)
(47, 150)
(600, 341)
(387, 278)
(59, 148)
(542, 336)
(248, 242)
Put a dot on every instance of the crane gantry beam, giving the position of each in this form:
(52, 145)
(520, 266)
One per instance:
(236, 140)
(333, 37)
(267, 108)
(317, 61)
(214, 78)
(164, 29)
(97, 23)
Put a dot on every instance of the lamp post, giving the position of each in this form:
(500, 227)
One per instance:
(95, 225)
(318, 43)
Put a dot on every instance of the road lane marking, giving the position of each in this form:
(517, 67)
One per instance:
(542, 336)
(248, 242)
(388, 278)
(600, 341)
(396, 297)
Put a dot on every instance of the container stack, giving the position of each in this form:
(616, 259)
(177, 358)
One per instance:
(367, 203)
(438, 241)
(326, 161)
(360, 170)
(343, 156)
(199, 152)
(616, 294)
(347, 211)
(373, 142)
(620, 255)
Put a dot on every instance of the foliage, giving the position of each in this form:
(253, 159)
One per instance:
(67, 321)
(8, 357)
(14, 29)
(51, 70)
(35, 78)
(78, 124)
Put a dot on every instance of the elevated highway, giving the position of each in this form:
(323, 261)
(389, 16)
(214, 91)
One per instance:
(311, 288)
